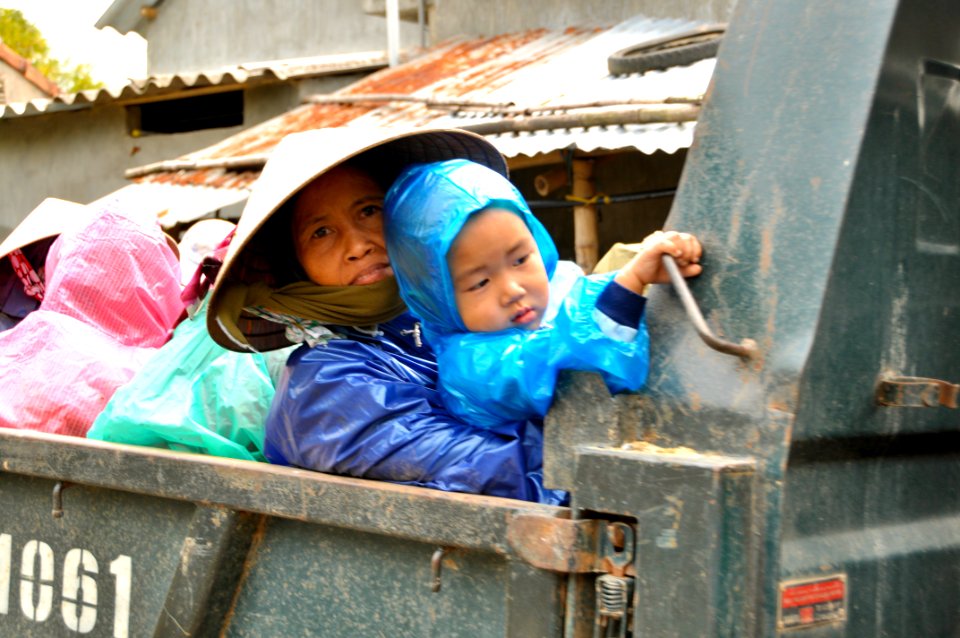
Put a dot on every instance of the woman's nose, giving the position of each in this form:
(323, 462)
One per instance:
(359, 244)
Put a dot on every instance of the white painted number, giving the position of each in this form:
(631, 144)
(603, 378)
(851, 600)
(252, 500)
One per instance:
(79, 604)
(121, 569)
(39, 609)
(4, 573)
(79, 592)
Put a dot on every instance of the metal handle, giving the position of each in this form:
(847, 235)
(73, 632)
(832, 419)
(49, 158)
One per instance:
(747, 348)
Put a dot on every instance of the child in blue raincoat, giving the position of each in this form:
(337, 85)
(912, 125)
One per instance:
(502, 313)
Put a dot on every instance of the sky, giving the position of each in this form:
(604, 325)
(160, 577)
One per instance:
(68, 27)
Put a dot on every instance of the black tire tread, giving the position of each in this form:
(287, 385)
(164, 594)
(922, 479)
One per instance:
(667, 52)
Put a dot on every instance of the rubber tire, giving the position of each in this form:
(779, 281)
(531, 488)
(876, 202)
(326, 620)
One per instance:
(676, 50)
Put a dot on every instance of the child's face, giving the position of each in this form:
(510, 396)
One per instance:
(497, 273)
(338, 229)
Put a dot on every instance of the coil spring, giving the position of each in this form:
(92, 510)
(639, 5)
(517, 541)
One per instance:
(613, 595)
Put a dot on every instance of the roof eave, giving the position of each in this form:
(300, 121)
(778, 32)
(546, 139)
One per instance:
(126, 15)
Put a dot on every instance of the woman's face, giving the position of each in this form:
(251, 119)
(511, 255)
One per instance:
(338, 229)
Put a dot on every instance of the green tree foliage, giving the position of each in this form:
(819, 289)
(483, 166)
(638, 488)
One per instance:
(27, 41)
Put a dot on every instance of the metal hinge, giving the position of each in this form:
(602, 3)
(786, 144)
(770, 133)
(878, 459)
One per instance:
(916, 392)
(581, 547)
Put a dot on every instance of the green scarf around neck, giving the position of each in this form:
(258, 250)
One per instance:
(334, 305)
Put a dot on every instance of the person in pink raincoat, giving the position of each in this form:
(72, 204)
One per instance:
(111, 298)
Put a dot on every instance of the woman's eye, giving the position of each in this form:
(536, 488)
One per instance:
(370, 210)
(480, 284)
(323, 231)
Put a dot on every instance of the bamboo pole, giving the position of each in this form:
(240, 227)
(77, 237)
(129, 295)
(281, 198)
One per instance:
(506, 109)
(585, 226)
(245, 162)
(640, 115)
(550, 181)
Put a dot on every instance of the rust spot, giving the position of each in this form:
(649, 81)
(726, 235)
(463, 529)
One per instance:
(695, 403)
(778, 405)
(555, 544)
(248, 564)
(766, 251)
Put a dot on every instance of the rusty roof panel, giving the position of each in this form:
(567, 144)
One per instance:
(535, 69)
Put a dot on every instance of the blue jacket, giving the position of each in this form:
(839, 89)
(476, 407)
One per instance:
(368, 406)
(423, 213)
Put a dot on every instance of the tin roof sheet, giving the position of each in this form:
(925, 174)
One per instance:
(493, 79)
(460, 83)
(170, 84)
(177, 204)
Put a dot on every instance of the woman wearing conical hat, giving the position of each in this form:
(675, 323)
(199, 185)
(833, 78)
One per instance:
(110, 299)
(308, 264)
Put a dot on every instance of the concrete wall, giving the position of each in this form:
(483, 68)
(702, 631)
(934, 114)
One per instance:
(229, 32)
(490, 17)
(82, 155)
(212, 33)
(16, 88)
(79, 156)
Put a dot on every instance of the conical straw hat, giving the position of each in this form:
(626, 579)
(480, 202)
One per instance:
(50, 218)
(296, 161)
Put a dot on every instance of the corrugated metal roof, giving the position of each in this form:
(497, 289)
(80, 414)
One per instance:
(169, 85)
(125, 15)
(508, 78)
(176, 204)
(533, 72)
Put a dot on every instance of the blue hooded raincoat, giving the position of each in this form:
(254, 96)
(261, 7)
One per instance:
(367, 405)
(424, 211)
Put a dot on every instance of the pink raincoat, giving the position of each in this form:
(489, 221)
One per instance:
(112, 298)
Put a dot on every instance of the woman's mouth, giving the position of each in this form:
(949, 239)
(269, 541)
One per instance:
(524, 317)
(372, 274)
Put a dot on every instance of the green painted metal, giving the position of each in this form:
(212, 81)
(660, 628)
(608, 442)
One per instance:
(225, 547)
(132, 544)
(824, 184)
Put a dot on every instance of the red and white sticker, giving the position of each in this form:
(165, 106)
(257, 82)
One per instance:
(812, 601)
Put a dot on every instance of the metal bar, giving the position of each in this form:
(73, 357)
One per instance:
(747, 348)
(57, 511)
(204, 552)
(422, 22)
(538, 204)
(436, 568)
(424, 515)
(393, 32)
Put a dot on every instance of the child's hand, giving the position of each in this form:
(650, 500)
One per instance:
(647, 268)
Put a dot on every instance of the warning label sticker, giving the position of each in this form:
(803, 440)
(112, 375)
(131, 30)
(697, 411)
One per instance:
(814, 601)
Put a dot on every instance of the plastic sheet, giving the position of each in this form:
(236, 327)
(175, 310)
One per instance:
(424, 211)
(195, 396)
(112, 298)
